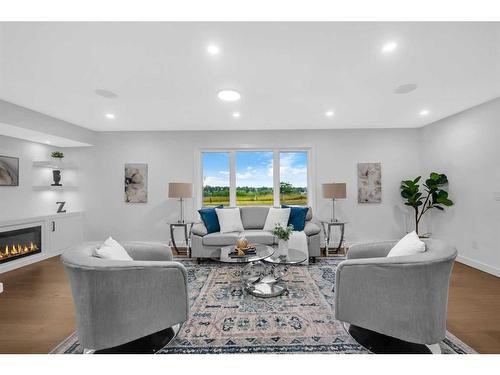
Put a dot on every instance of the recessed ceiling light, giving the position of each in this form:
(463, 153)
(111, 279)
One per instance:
(389, 47)
(236, 114)
(111, 116)
(329, 113)
(424, 112)
(213, 49)
(48, 142)
(229, 95)
(406, 88)
(106, 93)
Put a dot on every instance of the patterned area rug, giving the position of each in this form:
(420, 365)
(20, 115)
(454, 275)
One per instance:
(226, 319)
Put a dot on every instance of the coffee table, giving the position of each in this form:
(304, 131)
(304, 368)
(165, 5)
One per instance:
(264, 270)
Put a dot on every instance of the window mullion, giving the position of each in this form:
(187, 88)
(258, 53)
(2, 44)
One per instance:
(232, 178)
(276, 177)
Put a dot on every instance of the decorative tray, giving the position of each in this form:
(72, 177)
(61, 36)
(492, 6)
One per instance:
(250, 250)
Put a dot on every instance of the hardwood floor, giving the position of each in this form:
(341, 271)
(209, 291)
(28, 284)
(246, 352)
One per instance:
(474, 308)
(36, 309)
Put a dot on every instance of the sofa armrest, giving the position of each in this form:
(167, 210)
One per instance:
(199, 229)
(311, 228)
(370, 250)
(148, 251)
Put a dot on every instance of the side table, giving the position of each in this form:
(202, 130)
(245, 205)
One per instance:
(187, 234)
(327, 230)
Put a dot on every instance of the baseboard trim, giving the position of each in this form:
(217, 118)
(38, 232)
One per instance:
(479, 265)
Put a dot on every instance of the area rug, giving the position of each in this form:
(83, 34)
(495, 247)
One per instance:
(226, 319)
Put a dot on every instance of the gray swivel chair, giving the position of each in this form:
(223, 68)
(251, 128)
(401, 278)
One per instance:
(404, 298)
(118, 302)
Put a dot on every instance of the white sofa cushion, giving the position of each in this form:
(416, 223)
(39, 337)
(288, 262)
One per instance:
(111, 249)
(408, 245)
(277, 216)
(229, 220)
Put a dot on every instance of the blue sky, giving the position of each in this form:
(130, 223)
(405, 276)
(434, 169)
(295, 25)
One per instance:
(254, 168)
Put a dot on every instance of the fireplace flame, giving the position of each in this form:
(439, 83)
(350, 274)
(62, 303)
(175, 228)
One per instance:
(17, 249)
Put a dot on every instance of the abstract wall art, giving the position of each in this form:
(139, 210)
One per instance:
(136, 183)
(9, 171)
(369, 183)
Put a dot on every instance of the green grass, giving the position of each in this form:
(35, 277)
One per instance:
(257, 200)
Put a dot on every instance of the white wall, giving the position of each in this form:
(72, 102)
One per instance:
(18, 202)
(466, 147)
(171, 156)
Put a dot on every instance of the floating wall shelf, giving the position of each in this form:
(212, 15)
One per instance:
(56, 188)
(52, 164)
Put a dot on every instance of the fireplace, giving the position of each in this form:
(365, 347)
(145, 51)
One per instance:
(19, 243)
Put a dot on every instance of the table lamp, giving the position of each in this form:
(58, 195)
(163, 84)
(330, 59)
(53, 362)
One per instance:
(180, 190)
(334, 191)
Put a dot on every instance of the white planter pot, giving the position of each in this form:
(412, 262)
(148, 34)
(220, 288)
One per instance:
(282, 247)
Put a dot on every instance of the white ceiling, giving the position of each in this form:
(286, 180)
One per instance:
(289, 74)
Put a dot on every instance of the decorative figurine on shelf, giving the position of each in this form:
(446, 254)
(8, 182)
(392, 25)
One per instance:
(56, 175)
(60, 208)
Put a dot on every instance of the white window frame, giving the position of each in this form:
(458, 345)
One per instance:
(232, 172)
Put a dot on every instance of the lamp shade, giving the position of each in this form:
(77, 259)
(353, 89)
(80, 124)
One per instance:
(180, 190)
(334, 190)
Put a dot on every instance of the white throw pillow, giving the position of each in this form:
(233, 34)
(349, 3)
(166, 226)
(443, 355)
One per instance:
(229, 220)
(408, 245)
(277, 216)
(111, 249)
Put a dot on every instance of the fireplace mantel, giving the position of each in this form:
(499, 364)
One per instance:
(59, 233)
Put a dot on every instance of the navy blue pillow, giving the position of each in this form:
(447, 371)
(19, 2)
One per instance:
(297, 216)
(209, 217)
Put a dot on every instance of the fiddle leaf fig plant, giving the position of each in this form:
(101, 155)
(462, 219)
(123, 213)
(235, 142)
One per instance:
(433, 196)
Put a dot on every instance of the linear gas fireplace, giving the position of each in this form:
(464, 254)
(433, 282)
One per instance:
(19, 243)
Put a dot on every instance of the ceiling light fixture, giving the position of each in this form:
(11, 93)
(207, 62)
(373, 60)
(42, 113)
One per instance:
(424, 112)
(213, 49)
(236, 114)
(389, 47)
(111, 116)
(329, 113)
(229, 95)
(48, 142)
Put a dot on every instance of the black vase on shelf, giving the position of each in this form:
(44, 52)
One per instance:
(56, 175)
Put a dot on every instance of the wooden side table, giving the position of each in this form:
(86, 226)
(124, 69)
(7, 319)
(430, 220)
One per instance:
(187, 235)
(327, 230)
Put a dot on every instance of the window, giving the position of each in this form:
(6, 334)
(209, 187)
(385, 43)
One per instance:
(215, 178)
(255, 177)
(293, 177)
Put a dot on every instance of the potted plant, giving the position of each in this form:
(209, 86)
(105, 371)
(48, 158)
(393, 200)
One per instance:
(283, 235)
(434, 196)
(57, 155)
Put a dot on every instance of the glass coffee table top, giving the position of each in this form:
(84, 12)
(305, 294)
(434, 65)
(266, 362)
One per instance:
(263, 252)
(292, 257)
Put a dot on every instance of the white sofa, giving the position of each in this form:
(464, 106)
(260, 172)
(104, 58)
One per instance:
(207, 245)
